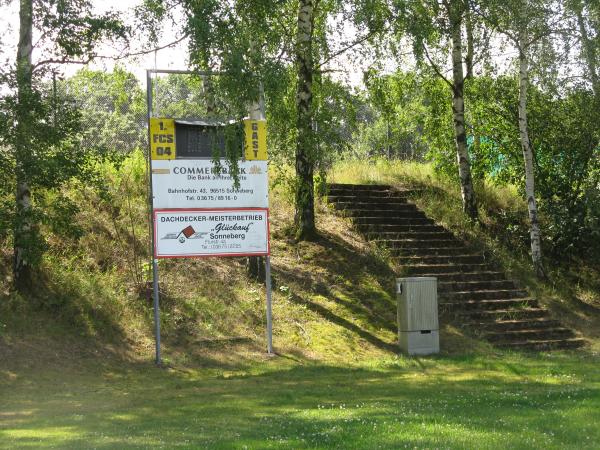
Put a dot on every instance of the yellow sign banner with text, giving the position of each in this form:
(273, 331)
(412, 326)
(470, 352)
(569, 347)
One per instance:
(162, 138)
(255, 145)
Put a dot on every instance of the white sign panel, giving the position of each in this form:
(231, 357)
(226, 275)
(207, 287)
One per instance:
(211, 232)
(194, 183)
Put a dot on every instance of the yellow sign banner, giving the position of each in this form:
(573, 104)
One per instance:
(162, 138)
(255, 148)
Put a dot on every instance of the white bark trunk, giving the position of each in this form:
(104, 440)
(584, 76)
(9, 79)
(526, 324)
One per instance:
(22, 229)
(458, 111)
(589, 49)
(534, 231)
(305, 215)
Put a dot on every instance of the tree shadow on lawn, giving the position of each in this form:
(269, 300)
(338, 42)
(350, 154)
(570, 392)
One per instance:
(308, 406)
(68, 315)
(334, 318)
(355, 280)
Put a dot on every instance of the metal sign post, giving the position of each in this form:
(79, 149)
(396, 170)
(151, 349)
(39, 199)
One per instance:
(257, 112)
(194, 209)
(155, 291)
(269, 313)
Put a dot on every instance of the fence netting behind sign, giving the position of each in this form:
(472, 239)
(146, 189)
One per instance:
(113, 106)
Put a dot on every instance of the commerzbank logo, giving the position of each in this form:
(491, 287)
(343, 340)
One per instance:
(185, 234)
(255, 170)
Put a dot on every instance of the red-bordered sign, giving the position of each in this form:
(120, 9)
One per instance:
(210, 232)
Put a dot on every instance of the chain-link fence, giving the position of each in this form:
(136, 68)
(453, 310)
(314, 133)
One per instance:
(113, 106)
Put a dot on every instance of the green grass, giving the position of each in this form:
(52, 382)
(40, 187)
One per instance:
(75, 355)
(503, 401)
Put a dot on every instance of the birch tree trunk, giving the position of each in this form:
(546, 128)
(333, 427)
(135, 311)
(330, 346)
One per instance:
(534, 230)
(589, 49)
(458, 112)
(305, 203)
(23, 225)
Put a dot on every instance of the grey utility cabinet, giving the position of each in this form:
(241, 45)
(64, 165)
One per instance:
(418, 326)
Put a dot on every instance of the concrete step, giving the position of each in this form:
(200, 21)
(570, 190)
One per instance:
(484, 294)
(419, 243)
(375, 205)
(477, 285)
(435, 269)
(441, 259)
(370, 220)
(385, 213)
(382, 197)
(357, 187)
(489, 304)
(529, 334)
(466, 276)
(544, 344)
(467, 316)
(363, 196)
(427, 236)
(515, 324)
(386, 228)
(427, 251)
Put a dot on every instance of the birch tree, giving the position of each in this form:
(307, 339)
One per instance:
(23, 223)
(534, 223)
(456, 12)
(68, 34)
(433, 26)
(304, 58)
(525, 23)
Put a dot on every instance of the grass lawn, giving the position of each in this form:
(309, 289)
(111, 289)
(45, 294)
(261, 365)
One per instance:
(502, 400)
(71, 357)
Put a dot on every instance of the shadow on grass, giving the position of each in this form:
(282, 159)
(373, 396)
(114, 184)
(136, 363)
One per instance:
(64, 305)
(452, 406)
(334, 318)
(355, 280)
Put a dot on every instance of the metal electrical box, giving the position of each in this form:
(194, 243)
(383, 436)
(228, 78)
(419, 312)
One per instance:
(418, 326)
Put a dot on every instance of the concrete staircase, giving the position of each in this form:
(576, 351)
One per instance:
(473, 293)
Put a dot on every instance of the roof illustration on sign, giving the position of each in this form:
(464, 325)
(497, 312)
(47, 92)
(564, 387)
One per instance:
(188, 232)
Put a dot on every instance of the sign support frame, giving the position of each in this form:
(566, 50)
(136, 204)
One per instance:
(155, 285)
(256, 110)
(269, 309)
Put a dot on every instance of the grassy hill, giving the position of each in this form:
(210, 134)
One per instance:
(76, 354)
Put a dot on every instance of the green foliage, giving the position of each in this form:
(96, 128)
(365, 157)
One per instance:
(565, 143)
(112, 108)
(40, 135)
(70, 30)
(414, 119)
(54, 156)
(562, 132)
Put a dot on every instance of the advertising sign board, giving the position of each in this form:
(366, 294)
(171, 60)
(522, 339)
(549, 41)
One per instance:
(192, 189)
(196, 208)
(195, 183)
(182, 233)
(181, 139)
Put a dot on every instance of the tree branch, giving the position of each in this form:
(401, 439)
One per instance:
(349, 46)
(436, 68)
(64, 60)
(90, 58)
